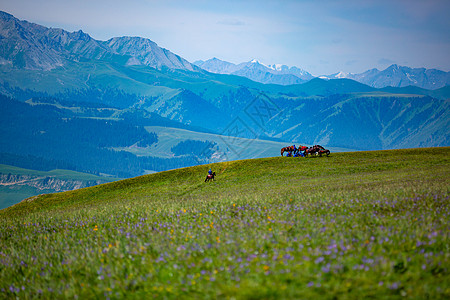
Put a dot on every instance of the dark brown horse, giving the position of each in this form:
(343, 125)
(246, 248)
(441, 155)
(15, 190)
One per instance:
(210, 177)
(319, 147)
(324, 151)
(311, 151)
(317, 150)
(287, 149)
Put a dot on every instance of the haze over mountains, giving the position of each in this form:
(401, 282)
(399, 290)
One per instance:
(254, 70)
(393, 76)
(398, 76)
(66, 96)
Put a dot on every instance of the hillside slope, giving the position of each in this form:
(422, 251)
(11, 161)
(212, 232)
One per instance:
(351, 225)
(266, 178)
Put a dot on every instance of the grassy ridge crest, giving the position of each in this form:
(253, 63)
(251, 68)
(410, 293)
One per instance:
(280, 174)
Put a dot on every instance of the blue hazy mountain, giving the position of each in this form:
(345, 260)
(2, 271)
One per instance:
(393, 76)
(254, 70)
(398, 76)
(126, 85)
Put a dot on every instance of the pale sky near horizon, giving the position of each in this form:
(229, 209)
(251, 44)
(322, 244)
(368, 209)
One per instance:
(322, 37)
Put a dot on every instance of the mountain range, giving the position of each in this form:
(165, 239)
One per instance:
(70, 101)
(35, 47)
(393, 76)
(256, 71)
(398, 76)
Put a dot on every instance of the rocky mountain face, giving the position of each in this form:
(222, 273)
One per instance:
(25, 45)
(399, 76)
(256, 71)
(146, 52)
(45, 183)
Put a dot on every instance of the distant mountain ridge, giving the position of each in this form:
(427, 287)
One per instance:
(398, 76)
(25, 45)
(31, 46)
(254, 70)
(136, 80)
(393, 76)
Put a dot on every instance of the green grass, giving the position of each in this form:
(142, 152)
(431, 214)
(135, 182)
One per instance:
(349, 226)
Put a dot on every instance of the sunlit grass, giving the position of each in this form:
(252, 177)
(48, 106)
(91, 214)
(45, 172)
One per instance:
(352, 225)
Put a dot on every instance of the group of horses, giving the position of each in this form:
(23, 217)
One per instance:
(292, 151)
(305, 151)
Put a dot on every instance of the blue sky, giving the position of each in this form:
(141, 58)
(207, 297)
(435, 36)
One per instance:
(322, 37)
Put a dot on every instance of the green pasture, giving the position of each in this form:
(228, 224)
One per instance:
(353, 225)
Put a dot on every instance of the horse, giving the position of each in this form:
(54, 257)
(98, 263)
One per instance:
(319, 147)
(317, 150)
(312, 150)
(301, 148)
(287, 149)
(210, 177)
(324, 151)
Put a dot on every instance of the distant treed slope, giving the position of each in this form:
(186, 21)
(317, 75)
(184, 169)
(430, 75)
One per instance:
(34, 162)
(367, 122)
(188, 108)
(48, 134)
(193, 147)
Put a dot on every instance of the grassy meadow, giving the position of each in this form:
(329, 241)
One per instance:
(349, 226)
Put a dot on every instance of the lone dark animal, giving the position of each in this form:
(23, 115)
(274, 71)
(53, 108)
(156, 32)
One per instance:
(210, 177)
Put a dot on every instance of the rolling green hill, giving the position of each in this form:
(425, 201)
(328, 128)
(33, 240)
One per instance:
(351, 225)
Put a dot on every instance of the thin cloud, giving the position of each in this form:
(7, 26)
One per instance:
(385, 61)
(231, 22)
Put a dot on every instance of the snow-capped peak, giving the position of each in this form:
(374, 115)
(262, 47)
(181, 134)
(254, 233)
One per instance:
(257, 62)
(342, 75)
(276, 67)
